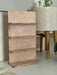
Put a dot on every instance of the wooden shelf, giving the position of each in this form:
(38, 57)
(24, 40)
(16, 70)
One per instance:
(21, 24)
(24, 63)
(24, 37)
(18, 50)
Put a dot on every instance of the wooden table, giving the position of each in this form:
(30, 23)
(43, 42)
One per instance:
(47, 36)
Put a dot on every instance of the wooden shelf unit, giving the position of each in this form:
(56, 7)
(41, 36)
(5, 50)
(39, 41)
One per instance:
(22, 38)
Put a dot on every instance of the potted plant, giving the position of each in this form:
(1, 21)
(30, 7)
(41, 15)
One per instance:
(45, 3)
(45, 16)
(48, 3)
(55, 48)
(42, 3)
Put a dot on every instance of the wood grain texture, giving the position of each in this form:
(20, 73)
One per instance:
(21, 30)
(21, 17)
(22, 56)
(55, 37)
(47, 43)
(34, 61)
(20, 50)
(22, 37)
(41, 35)
(22, 43)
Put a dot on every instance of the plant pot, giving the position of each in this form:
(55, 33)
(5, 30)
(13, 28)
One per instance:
(56, 53)
(46, 18)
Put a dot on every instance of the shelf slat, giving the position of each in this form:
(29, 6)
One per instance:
(24, 37)
(34, 61)
(18, 50)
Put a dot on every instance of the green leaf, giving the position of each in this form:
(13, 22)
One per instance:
(51, 2)
(47, 4)
(55, 48)
(47, 0)
(39, 1)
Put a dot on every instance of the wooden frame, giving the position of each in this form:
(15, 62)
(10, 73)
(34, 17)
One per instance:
(47, 36)
(22, 38)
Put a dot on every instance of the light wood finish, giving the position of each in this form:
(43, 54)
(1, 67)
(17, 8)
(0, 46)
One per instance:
(22, 56)
(22, 43)
(21, 30)
(20, 50)
(55, 37)
(47, 44)
(27, 62)
(56, 53)
(21, 17)
(47, 35)
(43, 35)
(22, 37)
(41, 39)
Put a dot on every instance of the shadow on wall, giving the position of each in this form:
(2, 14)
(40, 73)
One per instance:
(5, 36)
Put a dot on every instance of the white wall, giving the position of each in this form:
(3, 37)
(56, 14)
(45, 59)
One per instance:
(55, 3)
(15, 4)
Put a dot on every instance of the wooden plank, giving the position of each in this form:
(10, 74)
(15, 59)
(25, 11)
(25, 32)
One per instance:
(24, 63)
(21, 30)
(21, 17)
(22, 43)
(22, 56)
(43, 35)
(47, 38)
(15, 51)
(55, 37)
(23, 37)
